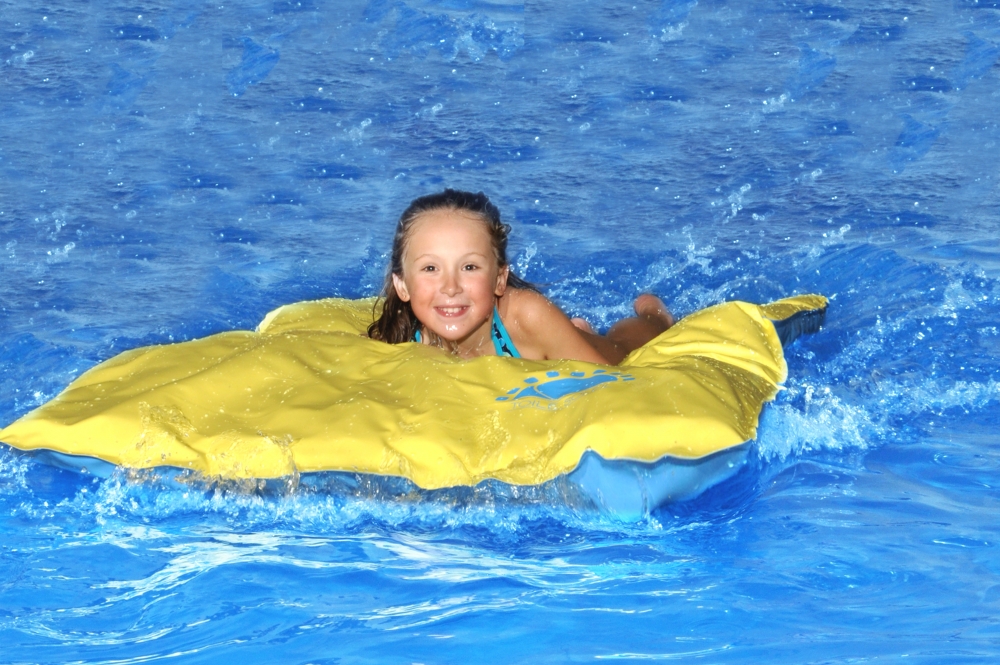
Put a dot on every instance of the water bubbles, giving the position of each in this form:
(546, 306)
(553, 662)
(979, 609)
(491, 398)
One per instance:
(672, 33)
(837, 236)
(524, 260)
(775, 103)
(735, 201)
(60, 254)
(357, 134)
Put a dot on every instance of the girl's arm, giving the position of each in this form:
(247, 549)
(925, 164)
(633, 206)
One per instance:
(541, 331)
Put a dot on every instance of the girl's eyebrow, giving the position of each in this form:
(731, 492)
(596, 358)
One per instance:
(433, 256)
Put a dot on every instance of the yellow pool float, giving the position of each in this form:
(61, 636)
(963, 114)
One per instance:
(308, 392)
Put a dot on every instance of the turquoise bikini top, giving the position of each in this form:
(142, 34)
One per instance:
(502, 342)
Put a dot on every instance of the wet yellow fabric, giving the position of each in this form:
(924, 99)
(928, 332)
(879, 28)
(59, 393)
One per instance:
(307, 392)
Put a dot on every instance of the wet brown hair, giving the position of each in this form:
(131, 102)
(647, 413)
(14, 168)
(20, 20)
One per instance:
(397, 322)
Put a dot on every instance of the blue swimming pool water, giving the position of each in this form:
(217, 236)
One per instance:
(174, 169)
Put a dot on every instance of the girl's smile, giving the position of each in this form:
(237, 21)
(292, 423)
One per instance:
(451, 278)
(451, 311)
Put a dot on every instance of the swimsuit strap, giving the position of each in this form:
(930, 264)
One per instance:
(502, 342)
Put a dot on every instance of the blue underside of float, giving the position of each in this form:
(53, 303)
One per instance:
(628, 489)
(631, 489)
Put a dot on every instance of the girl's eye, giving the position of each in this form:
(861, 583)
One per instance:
(428, 268)
(471, 266)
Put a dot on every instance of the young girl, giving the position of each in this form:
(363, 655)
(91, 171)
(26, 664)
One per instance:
(449, 285)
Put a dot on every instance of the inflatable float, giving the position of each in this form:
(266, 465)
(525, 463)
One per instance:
(308, 392)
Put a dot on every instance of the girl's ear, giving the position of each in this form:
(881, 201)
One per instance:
(400, 287)
(502, 281)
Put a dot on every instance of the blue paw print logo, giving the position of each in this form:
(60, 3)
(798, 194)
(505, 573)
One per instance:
(556, 385)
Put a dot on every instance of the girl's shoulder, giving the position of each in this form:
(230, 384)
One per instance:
(540, 330)
(527, 309)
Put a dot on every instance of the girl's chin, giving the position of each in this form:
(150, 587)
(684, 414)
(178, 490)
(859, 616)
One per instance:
(451, 334)
(454, 333)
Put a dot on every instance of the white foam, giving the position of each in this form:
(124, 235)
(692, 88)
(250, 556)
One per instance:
(827, 423)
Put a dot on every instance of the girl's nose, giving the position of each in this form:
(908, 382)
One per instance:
(450, 285)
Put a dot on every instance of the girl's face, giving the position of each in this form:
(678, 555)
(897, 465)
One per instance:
(450, 275)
